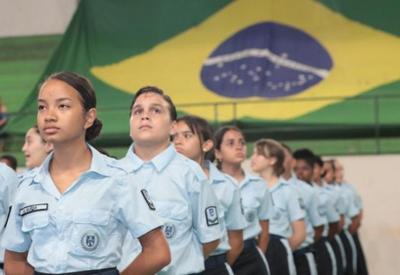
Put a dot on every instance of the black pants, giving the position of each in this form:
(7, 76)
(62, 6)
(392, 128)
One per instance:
(250, 262)
(349, 253)
(300, 260)
(323, 258)
(362, 268)
(106, 271)
(215, 265)
(277, 256)
(338, 256)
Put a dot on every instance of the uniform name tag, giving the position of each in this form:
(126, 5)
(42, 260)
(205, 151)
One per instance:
(33, 208)
(147, 199)
(212, 216)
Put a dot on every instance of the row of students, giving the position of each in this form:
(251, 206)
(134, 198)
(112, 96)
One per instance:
(216, 219)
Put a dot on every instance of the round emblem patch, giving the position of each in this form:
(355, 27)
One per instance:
(169, 230)
(250, 216)
(90, 240)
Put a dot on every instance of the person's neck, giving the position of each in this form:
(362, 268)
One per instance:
(75, 157)
(318, 182)
(270, 177)
(287, 175)
(147, 152)
(233, 170)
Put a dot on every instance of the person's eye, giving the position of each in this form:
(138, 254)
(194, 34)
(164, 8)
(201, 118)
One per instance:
(41, 107)
(64, 106)
(137, 112)
(188, 135)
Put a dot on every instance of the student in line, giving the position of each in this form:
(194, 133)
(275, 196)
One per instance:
(179, 188)
(193, 138)
(287, 226)
(72, 213)
(230, 153)
(303, 166)
(324, 253)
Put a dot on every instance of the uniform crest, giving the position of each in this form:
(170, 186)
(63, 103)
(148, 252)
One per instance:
(169, 230)
(212, 216)
(250, 216)
(90, 240)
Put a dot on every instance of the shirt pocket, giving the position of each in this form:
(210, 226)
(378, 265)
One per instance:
(35, 224)
(91, 231)
(280, 212)
(251, 210)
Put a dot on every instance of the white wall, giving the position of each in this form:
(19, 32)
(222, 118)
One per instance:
(35, 17)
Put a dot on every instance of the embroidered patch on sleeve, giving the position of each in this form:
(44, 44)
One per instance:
(212, 216)
(33, 208)
(147, 199)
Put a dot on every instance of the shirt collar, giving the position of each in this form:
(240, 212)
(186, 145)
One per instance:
(98, 165)
(281, 182)
(133, 163)
(215, 175)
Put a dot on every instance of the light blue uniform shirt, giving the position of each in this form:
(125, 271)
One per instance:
(186, 204)
(230, 204)
(82, 228)
(8, 185)
(257, 203)
(286, 209)
(326, 207)
(310, 204)
(351, 207)
(356, 195)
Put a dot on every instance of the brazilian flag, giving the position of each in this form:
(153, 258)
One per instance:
(255, 61)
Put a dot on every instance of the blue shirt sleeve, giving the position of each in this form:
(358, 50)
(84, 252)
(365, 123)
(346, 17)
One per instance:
(136, 208)
(205, 210)
(293, 206)
(234, 217)
(14, 239)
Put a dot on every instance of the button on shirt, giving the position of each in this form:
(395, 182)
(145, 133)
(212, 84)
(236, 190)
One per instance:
(8, 185)
(82, 228)
(185, 202)
(286, 209)
(257, 203)
(230, 204)
(310, 203)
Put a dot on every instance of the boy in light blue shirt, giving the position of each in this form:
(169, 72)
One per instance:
(179, 188)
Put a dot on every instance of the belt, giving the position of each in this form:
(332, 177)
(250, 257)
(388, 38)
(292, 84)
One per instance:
(249, 243)
(275, 237)
(304, 250)
(215, 261)
(105, 271)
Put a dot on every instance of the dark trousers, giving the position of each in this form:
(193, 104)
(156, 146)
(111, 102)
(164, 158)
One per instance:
(215, 265)
(250, 262)
(338, 256)
(300, 260)
(322, 257)
(362, 268)
(277, 256)
(349, 254)
(106, 271)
